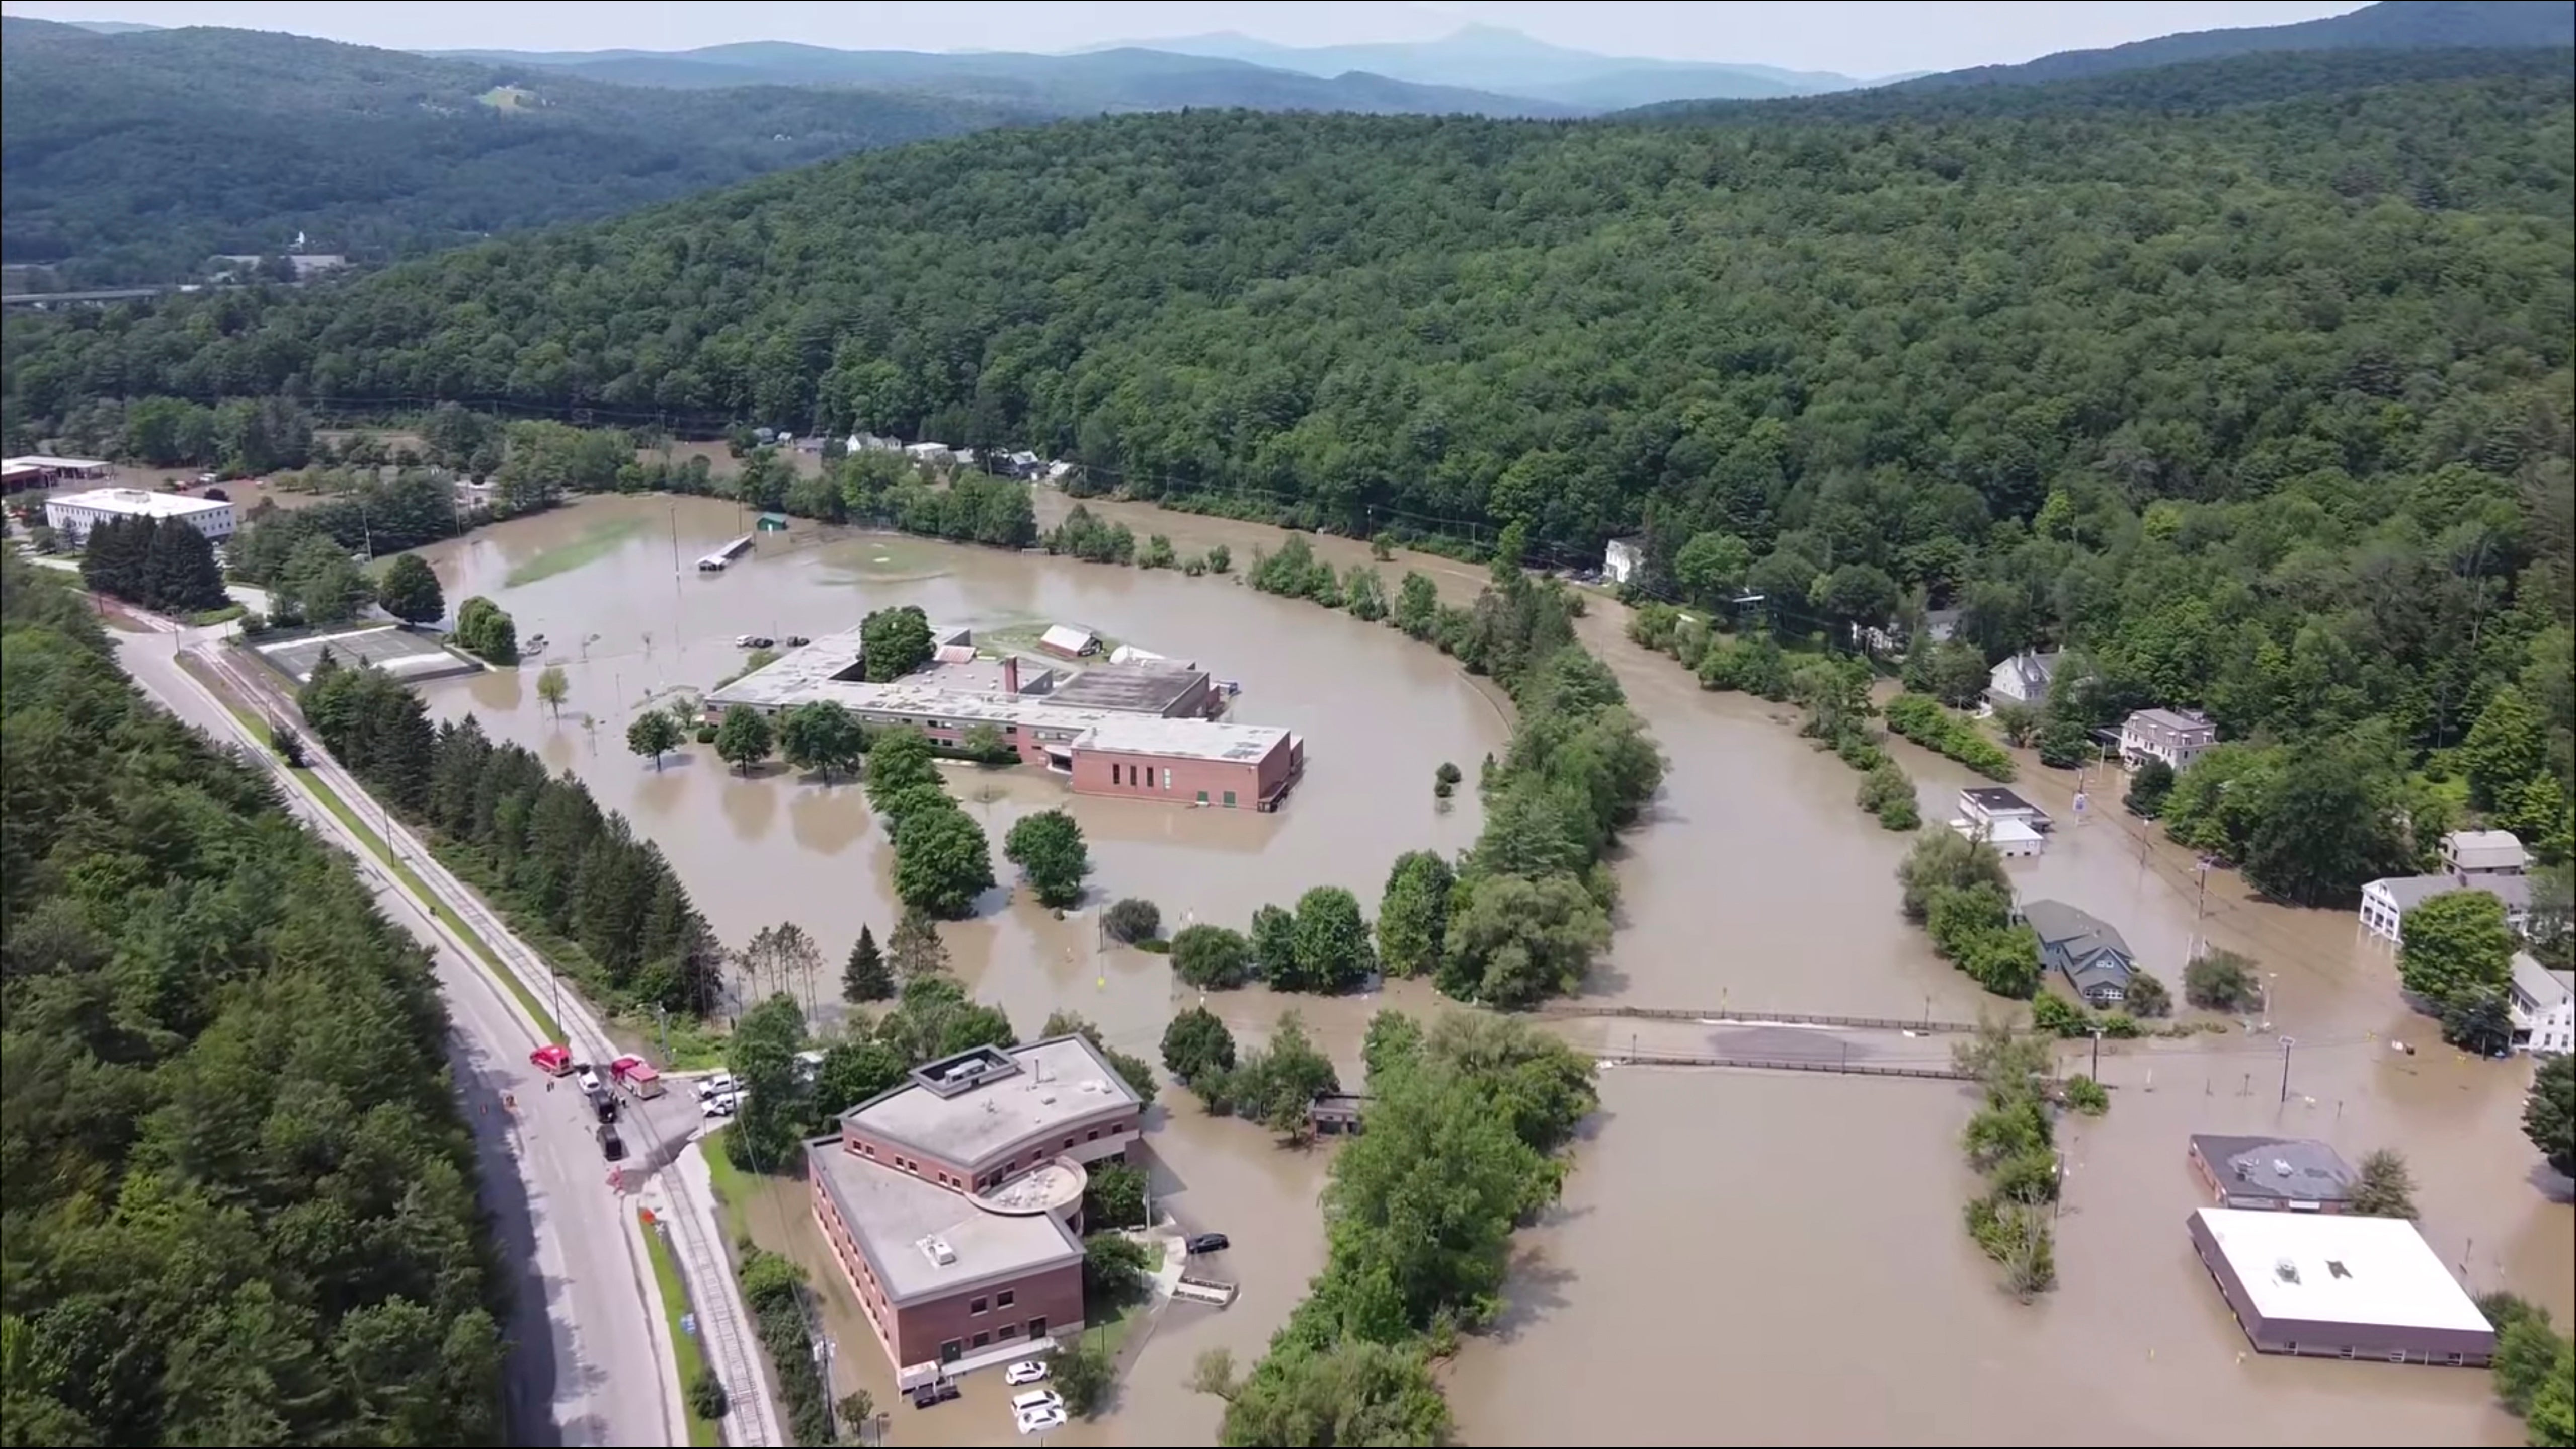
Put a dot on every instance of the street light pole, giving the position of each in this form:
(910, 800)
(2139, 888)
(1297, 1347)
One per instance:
(2286, 1044)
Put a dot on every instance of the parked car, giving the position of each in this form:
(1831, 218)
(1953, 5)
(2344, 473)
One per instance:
(1037, 1401)
(715, 1086)
(611, 1146)
(1208, 1243)
(1040, 1421)
(722, 1104)
(752, 641)
(1026, 1371)
(938, 1391)
(552, 1059)
(605, 1105)
(589, 1079)
(795, 641)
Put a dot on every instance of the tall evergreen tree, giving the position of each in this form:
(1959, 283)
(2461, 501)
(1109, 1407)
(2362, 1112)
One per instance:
(865, 977)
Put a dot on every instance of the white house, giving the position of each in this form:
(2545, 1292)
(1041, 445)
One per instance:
(2483, 852)
(2175, 736)
(2385, 902)
(1625, 559)
(2022, 679)
(73, 515)
(2535, 994)
(933, 453)
(2553, 1033)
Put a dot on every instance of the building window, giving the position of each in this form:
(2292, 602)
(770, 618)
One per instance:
(1094, 1136)
(1113, 773)
(1009, 1331)
(982, 1339)
(1005, 1298)
(1229, 799)
(979, 1305)
(1037, 1328)
(1203, 797)
(1068, 1144)
(1167, 777)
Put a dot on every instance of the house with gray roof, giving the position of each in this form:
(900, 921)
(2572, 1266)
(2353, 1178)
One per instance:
(2092, 957)
(2022, 679)
(2385, 902)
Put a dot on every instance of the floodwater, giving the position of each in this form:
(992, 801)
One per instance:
(1791, 1245)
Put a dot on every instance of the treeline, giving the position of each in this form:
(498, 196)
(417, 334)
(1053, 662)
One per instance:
(536, 840)
(241, 1207)
(162, 564)
(1469, 1116)
(1522, 914)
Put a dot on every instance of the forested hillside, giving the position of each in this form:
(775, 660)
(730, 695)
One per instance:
(2265, 406)
(136, 157)
(239, 1205)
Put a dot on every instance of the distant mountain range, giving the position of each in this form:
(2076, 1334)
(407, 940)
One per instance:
(1126, 78)
(2390, 25)
(131, 153)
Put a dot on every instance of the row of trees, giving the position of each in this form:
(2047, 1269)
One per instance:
(162, 564)
(534, 840)
(242, 1206)
(941, 858)
(1468, 1115)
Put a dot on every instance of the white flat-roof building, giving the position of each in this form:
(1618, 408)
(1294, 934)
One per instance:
(2009, 836)
(73, 515)
(2340, 1286)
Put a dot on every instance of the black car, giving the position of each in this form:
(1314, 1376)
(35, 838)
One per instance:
(1208, 1243)
(611, 1146)
(605, 1104)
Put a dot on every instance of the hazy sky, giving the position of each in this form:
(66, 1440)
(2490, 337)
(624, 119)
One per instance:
(1857, 37)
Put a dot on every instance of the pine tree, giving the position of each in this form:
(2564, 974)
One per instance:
(866, 978)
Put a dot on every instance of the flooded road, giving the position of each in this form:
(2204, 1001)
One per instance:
(1789, 1247)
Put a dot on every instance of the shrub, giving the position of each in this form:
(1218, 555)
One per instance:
(2087, 1096)
(1132, 920)
(706, 734)
(707, 1397)
(2222, 981)
(1921, 718)
(2054, 1014)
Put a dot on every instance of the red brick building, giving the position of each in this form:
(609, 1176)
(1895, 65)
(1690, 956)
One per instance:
(954, 1201)
(1202, 762)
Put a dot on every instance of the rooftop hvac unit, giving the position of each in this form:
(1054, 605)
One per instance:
(937, 1250)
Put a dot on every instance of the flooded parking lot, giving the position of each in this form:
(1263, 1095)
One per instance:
(1788, 1246)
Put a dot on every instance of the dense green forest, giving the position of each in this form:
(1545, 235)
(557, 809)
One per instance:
(239, 1204)
(2264, 406)
(136, 157)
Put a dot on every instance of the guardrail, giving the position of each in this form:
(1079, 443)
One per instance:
(1739, 1016)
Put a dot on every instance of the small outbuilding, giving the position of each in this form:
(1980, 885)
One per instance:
(2344, 1286)
(1067, 642)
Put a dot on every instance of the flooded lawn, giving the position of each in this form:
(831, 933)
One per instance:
(1739, 1255)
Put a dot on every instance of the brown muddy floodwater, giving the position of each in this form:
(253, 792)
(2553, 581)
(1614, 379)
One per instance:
(1740, 1256)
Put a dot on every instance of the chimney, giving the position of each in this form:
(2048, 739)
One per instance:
(1010, 674)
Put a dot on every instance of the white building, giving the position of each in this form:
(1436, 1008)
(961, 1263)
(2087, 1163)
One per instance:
(2009, 837)
(1624, 560)
(932, 453)
(2553, 1032)
(2175, 736)
(2385, 902)
(2483, 852)
(73, 515)
(2022, 679)
(2535, 994)
(1988, 806)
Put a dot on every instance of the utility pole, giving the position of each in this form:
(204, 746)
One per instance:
(2097, 1053)
(2286, 1044)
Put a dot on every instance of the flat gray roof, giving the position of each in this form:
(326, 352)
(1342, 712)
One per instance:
(2289, 1169)
(2407, 892)
(1061, 1081)
(1195, 739)
(1142, 687)
(890, 1213)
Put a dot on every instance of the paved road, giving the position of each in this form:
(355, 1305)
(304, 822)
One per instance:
(590, 1363)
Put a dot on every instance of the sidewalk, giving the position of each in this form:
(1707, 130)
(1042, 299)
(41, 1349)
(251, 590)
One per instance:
(687, 1202)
